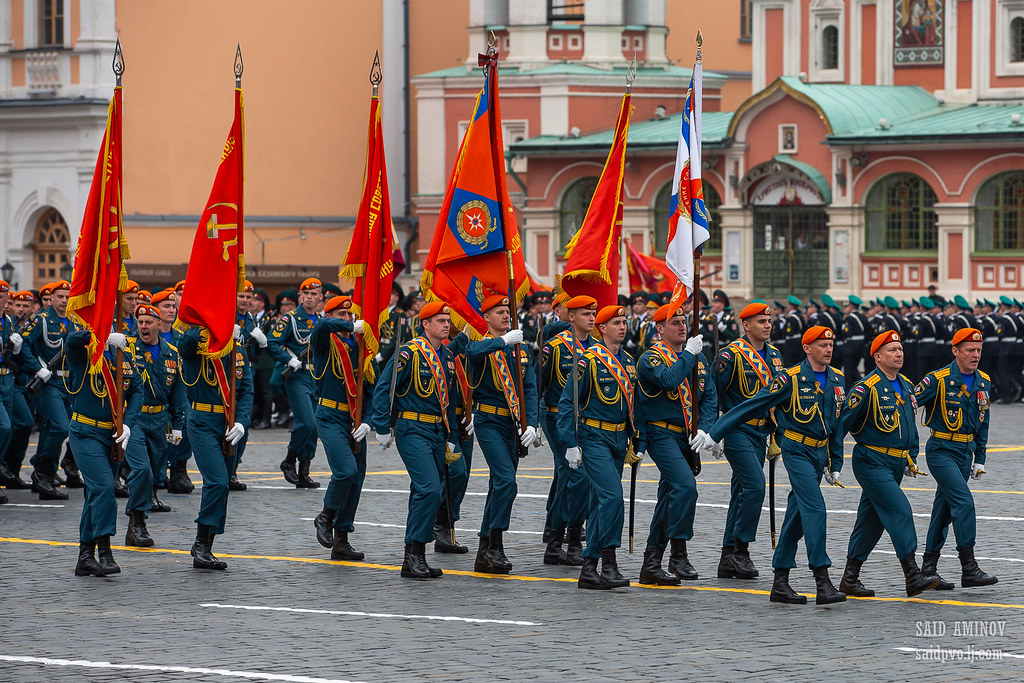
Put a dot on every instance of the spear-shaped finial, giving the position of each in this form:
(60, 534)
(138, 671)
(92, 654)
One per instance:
(239, 67)
(118, 64)
(700, 43)
(631, 72)
(375, 73)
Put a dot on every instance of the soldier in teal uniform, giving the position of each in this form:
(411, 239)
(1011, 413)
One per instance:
(335, 361)
(666, 396)
(13, 348)
(21, 366)
(807, 399)
(288, 342)
(458, 471)
(604, 439)
(178, 450)
(743, 368)
(879, 413)
(129, 300)
(424, 420)
(500, 429)
(210, 433)
(251, 334)
(92, 435)
(956, 402)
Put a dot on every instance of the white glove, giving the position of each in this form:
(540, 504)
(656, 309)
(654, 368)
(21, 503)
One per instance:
(235, 434)
(977, 469)
(718, 450)
(512, 337)
(174, 438)
(116, 340)
(539, 441)
(701, 441)
(261, 339)
(237, 334)
(721, 327)
(573, 456)
(528, 436)
(695, 344)
(357, 327)
(909, 472)
(384, 440)
(470, 427)
(831, 477)
(125, 433)
(44, 374)
(16, 342)
(360, 432)
(295, 363)
(378, 358)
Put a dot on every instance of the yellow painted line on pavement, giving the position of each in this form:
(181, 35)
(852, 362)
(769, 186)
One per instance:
(506, 577)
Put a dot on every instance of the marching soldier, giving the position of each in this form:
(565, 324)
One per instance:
(745, 367)
(639, 328)
(605, 431)
(807, 400)
(1009, 387)
(879, 413)
(389, 327)
(718, 327)
(129, 300)
(988, 324)
(21, 366)
(421, 407)
(458, 471)
(10, 345)
(178, 451)
(559, 318)
(666, 395)
(927, 335)
(778, 337)
(289, 345)
(793, 331)
(956, 408)
(831, 318)
(854, 332)
(251, 333)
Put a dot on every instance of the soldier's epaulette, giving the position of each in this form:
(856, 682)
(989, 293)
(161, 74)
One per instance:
(793, 370)
(906, 379)
(838, 372)
(940, 374)
(871, 381)
(773, 347)
(173, 347)
(984, 376)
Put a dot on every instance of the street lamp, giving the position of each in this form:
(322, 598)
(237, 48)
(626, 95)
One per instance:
(66, 271)
(7, 271)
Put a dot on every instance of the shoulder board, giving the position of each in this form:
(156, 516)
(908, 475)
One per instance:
(793, 371)
(838, 372)
(172, 347)
(939, 374)
(772, 347)
(870, 381)
(984, 376)
(905, 379)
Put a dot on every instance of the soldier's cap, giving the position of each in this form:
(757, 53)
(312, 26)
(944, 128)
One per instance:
(665, 296)
(812, 302)
(913, 302)
(542, 296)
(949, 303)
(759, 301)
(433, 308)
(661, 315)
(249, 287)
(926, 302)
(146, 309)
(23, 295)
(719, 295)
(817, 332)
(46, 289)
(310, 283)
(828, 301)
(637, 296)
(1016, 302)
(145, 296)
(4, 287)
(752, 309)
(131, 288)
(330, 289)
(990, 304)
(622, 300)
(793, 300)
(703, 298)
(287, 295)
(979, 303)
(397, 289)
(61, 284)
(582, 301)
(164, 295)
(493, 301)
(653, 302)
(961, 301)
(856, 300)
(778, 304)
(965, 335)
(609, 312)
(342, 302)
(560, 298)
(180, 284)
(890, 302)
(1005, 300)
(906, 304)
(883, 339)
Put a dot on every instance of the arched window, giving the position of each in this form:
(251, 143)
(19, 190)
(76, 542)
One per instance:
(52, 247)
(712, 200)
(830, 48)
(1017, 40)
(901, 215)
(575, 203)
(999, 214)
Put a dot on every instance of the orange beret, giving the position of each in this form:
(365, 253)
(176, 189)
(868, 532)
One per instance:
(582, 301)
(817, 332)
(493, 301)
(62, 284)
(560, 299)
(432, 308)
(662, 313)
(609, 312)
(248, 287)
(131, 288)
(180, 285)
(146, 309)
(750, 310)
(24, 295)
(4, 287)
(46, 289)
(883, 339)
(145, 296)
(966, 334)
(310, 283)
(163, 295)
(342, 302)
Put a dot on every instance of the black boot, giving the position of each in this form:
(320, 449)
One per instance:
(783, 592)
(288, 467)
(850, 583)
(827, 593)
(929, 565)
(324, 525)
(554, 554)
(87, 564)
(443, 541)
(574, 546)
(589, 578)
(651, 573)
(10, 477)
(917, 581)
(547, 534)
(495, 558)
(343, 550)
(679, 563)
(304, 481)
(414, 565)
(233, 483)
(202, 550)
(105, 557)
(972, 575)
(179, 482)
(741, 563)
(74, 477)
(120, 487)
(157, 505)
(481, 566)
(44, 486)
(137, 533)
(726, 570)
(610, 570)
(4, 498)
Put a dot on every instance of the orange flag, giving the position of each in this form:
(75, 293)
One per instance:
(216, 269)
(592, 255)
(99, 274)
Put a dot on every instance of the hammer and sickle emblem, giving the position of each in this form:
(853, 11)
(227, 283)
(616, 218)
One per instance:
(213, 227)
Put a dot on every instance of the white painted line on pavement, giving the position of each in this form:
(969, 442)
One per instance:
(380, 615)
(30, 505)
(402, 526)
(987, 559)
(950, 654)
(252, 675)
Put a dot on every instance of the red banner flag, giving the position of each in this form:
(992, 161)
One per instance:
(662, 278)
(99, 275)
(640, 276)
(216, 269)
(592, 255)
(370, 255)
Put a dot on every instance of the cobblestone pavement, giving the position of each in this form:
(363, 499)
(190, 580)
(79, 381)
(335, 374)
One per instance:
(284, 611)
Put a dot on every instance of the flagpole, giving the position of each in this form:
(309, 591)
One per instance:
(118, 452)
(695, 321)
(229, 417)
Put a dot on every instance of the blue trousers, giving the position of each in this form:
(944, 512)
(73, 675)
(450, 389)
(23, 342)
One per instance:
(348, 469)
(301, 397)
(569, 495)
(207, 430)
(422, 447)
(22, 422)
(883, 505)
(458, 476)
(140, 479)
(805, 506)
(497, 437)
(54, 406)
(91, 446)
(950, 464)
(604, 454)
(677, 490)
(745, 450)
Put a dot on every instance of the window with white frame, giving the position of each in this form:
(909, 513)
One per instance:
(826, 41)
(1009, 35)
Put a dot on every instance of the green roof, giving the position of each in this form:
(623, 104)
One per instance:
(577, 69)
(946, 123)
(816, 176)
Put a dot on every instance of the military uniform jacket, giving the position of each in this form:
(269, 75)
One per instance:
(556, 362)
(89, 395)
(45, 337)
(200, 378)
(290, 335)
(660, 384)
(129, 326)
(951, 408)
(327, 368)
(639, 335)
(876, 416)
(552, 328)
(485, 377)
(855, 328)
(600, 395)
(13, 362)
(737, 379)
(161, 379)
